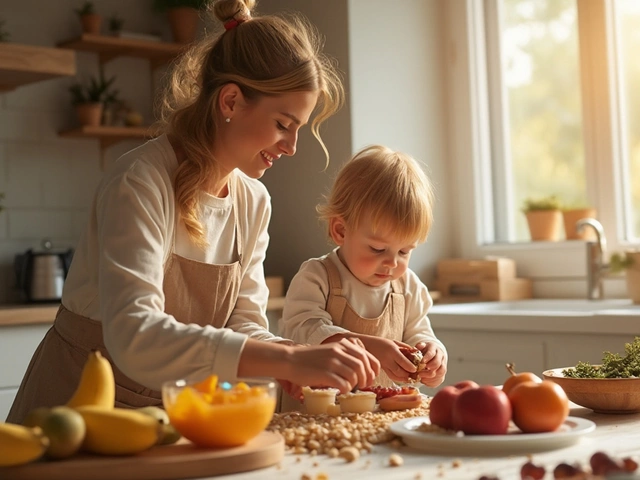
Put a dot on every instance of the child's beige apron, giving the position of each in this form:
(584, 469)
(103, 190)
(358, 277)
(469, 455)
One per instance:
(389, 324)
(195, 292)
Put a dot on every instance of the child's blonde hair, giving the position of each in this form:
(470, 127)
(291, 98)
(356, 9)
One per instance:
(389, 186)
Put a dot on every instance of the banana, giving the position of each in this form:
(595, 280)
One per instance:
(118, 431)
(97, 385)
(20, 444)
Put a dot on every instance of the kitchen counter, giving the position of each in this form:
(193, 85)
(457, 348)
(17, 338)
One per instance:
(28, 314)
(35, 314)
(617, 435)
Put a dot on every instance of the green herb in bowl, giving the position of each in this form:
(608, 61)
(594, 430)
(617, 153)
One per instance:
(613, 365)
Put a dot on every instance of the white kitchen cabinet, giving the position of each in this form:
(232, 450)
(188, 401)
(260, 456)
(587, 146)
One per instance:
(481, 356)
(17, 345)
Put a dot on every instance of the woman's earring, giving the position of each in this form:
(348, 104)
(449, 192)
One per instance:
(227, 120)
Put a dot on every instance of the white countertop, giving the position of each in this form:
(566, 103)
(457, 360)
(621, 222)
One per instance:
(617, 435)
(613, 316)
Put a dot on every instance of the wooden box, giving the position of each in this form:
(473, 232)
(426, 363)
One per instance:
(480, 280)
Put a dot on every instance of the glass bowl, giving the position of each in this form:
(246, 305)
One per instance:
(220, 415)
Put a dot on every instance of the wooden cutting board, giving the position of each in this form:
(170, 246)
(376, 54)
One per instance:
(168, 462)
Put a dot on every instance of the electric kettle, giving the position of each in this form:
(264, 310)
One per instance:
(41, 274)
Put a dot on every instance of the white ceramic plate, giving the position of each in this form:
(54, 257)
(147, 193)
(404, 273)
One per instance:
(513, 442)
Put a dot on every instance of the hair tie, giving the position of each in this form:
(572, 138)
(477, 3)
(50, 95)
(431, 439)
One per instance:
(233, 23)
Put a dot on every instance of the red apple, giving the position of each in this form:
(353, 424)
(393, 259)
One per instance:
(441, 406)
(485, 410)
(466, 384)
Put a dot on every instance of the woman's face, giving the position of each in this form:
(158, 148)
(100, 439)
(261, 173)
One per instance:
(260, 132)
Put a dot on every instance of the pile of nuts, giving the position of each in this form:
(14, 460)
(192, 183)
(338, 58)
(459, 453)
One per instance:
(331, 435)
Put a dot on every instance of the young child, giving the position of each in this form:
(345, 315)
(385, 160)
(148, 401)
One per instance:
(378, 211)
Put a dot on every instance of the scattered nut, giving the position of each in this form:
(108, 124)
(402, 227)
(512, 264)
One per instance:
(395, 460)
(350, 454)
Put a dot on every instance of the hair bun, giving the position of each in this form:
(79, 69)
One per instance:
(226, 10)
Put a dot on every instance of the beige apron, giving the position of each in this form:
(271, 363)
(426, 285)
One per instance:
(390, 323)
(195, 292)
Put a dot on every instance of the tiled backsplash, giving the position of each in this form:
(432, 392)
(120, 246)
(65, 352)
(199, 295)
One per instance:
(49, 181)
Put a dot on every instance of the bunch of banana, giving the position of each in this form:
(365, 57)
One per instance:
(20, 444)
(97, 385)
(118, 431)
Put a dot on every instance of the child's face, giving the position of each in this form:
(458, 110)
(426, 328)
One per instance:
(374, 258)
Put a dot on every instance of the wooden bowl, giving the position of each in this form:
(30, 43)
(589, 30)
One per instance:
(602, 395)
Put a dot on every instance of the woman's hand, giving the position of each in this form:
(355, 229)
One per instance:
(435, 364)
(343, 365)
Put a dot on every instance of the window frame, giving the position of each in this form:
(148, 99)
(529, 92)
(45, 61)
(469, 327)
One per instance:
(558, 268)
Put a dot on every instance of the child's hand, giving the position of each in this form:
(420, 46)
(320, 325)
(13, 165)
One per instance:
(435, 364)
(392, 360)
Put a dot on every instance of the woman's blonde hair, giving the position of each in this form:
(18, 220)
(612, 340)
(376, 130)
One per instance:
(264, 56)
(390, 188)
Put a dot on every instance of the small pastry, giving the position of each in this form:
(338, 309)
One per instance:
(318, 400)
(357, 402)
(409, 398)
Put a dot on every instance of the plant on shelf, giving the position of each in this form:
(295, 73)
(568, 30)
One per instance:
(116, 23)
(543, 217)
(541, 204)
(619, 262)
(88, 99)
(4, 35)
(183, 17)
(573, 212)
(89, 18)
(628, 262)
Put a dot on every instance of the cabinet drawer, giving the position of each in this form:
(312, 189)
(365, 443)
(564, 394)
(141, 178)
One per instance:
(17, 344)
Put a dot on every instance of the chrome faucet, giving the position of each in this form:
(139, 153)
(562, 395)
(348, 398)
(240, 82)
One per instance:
(596, 266)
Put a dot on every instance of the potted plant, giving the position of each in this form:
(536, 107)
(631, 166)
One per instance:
(628, 262)
(88, 99)
(89, 18)
(570, 216)
(183, 17)
(543, 217)
(116, 23)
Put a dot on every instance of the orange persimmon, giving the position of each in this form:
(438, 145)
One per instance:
(517, 378)
(538, 406)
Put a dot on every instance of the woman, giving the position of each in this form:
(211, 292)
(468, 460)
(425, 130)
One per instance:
(178, 231)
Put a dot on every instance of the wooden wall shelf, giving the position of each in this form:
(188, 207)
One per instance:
(24, 64)
(108, 48)
(108, 135)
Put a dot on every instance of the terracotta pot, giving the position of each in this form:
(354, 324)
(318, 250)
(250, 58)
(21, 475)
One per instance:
(90, 113)
(544, 225)
(91, 23)
(184, 24)
(571, 217)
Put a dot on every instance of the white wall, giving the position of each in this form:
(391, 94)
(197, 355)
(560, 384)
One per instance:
(393, 74)
(397, 97)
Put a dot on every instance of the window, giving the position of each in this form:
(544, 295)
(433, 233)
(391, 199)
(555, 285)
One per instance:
(628, 30)
(543, 100)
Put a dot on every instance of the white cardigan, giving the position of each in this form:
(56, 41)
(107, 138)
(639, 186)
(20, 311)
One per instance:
(118, 268)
